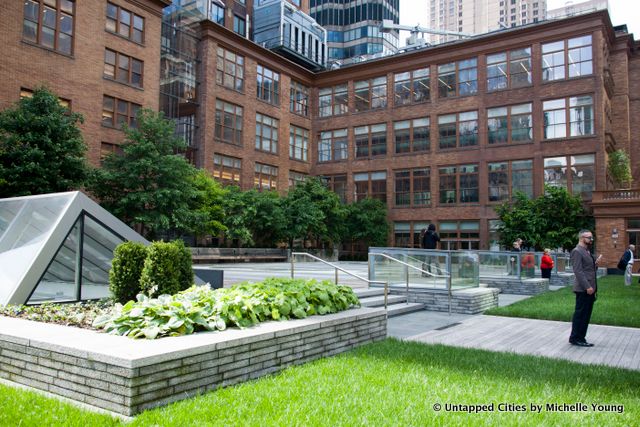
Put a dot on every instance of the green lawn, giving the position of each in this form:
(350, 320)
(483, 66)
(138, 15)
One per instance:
(386, 383)
(617, 305)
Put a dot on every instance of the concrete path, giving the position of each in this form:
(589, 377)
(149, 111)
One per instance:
(614, 346)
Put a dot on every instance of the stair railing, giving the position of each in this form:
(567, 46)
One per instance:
(337, 268)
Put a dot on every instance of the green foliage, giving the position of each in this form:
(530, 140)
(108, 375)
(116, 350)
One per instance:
(167, 269)
(208, 205)
(41, 147)
(150, 185)
(203, 309)
(619, 167)
(617, 304)
(549, 221)
(81, 314)
(126, 269)
(312, 211)
(366, 220)
(238, 215)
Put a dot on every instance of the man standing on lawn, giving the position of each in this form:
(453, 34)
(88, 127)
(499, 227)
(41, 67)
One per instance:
(585, 287)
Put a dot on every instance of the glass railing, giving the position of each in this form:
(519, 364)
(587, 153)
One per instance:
(424, 268)
(524, 264)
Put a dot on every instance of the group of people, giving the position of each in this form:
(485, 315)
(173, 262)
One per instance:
(528, 262)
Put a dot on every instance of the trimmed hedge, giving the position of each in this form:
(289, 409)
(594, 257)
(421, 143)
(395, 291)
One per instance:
(126, 269)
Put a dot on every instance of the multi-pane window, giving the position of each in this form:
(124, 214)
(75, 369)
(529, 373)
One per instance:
(108, 149)
(509, 69)
(266, 133)
(568, 117)
(268, 88)
(117, 112)
(505, 178)
(572, 57)
(413, 187)
(299, 99)
(332, 145)
(230, 69)
(333, 101)
(575, 173)
(28, 93)
(411, 136)
(265, 177)
(122, 68)
(371, 94)
(458, 78)
(296, 178)
(371, 184)
(337, 184)
(239, 25)
(228, 122)
(298, 143)
(402, 234)
(216, 13)
(125, 23)
(509, 124)
(459, 184)
(456, 235)
(411, 87)
(370, 140)
(458, 130)
(227, 170)
(49, 23)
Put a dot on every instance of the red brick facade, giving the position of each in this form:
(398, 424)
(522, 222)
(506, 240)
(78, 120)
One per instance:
(78, 77)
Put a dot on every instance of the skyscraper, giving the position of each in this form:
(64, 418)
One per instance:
(353, 27)
(477, 17)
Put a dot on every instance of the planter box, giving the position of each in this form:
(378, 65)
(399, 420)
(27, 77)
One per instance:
(127, 376)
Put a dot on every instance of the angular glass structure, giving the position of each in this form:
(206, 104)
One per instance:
(57, 247)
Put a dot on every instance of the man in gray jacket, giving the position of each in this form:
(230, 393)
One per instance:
(585, 287)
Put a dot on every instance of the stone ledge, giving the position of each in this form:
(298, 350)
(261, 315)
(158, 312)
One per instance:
(134, 375)
(463, 301)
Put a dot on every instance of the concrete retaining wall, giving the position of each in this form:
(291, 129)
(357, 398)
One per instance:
(127, 376)
(517, 286)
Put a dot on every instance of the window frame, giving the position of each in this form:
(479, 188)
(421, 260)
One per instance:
(299, 98)
(268, 125)
(376, 93)
(571, 168)
(131, 113)
(117, 69)
(118, 22)
(509, 62)
(299, 143)
(506, 191)
(227, 59)
(219, 126)
(413, 179)
(414, 126)
(454, 72)
(459, 126)
(269, 93)
(370, 136)
(232, 168)
(566, 65)
(456, 175)
(568, 123)
(333, 94)
(337, 184)
(57, 29)
(510, 129)
(374, 186)
(262, 177)
(328, 140)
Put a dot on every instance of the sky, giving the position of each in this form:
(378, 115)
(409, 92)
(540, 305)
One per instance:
(413, 12)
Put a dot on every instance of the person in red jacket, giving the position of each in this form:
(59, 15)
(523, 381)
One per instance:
(546, 264)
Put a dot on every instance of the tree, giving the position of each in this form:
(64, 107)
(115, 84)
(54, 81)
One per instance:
(619, 167)
(312, 211)
(549, 221)
(268, 223)
(238, 215)
(366, 221)
(150, 185)
(208, 205)
(41, 147)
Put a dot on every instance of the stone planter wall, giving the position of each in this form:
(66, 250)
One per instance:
(517, 286)
(127, 376)
(464, 301)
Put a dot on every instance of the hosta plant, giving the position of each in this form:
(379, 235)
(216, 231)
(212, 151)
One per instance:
(200, 308)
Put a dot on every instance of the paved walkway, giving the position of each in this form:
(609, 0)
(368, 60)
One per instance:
(614, 346)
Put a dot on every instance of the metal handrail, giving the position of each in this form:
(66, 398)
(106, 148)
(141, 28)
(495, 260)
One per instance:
(407, 266)
(437, 267)
(386, 284)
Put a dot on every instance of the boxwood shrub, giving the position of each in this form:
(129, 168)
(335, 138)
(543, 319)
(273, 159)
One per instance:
(126, 269)
(166, 269)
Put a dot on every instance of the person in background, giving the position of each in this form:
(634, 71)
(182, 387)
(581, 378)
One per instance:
(513, 260)
(546, 264)
(430, 241)
(585, 287)
(626, 264)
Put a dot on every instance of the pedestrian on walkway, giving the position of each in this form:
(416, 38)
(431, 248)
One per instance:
(546, 264)
(430, 241)
(626, 264)
(585, 287)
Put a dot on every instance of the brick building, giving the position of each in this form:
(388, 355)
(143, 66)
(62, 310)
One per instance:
(441, 134)
(99, 56)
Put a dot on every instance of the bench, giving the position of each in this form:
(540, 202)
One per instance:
(216, 255)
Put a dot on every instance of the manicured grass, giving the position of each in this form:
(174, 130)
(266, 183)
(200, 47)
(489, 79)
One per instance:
(617, 305)
(386, 383)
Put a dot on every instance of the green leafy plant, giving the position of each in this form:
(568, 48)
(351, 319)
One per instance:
(619, 167)
(80, 314)
(167, 270)
(126, 269)
(202, 309)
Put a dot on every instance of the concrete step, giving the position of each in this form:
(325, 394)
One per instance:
(403, 308)
(378, 301)
(368, 292)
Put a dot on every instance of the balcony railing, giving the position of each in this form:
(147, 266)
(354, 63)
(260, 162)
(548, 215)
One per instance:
(618, 195)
